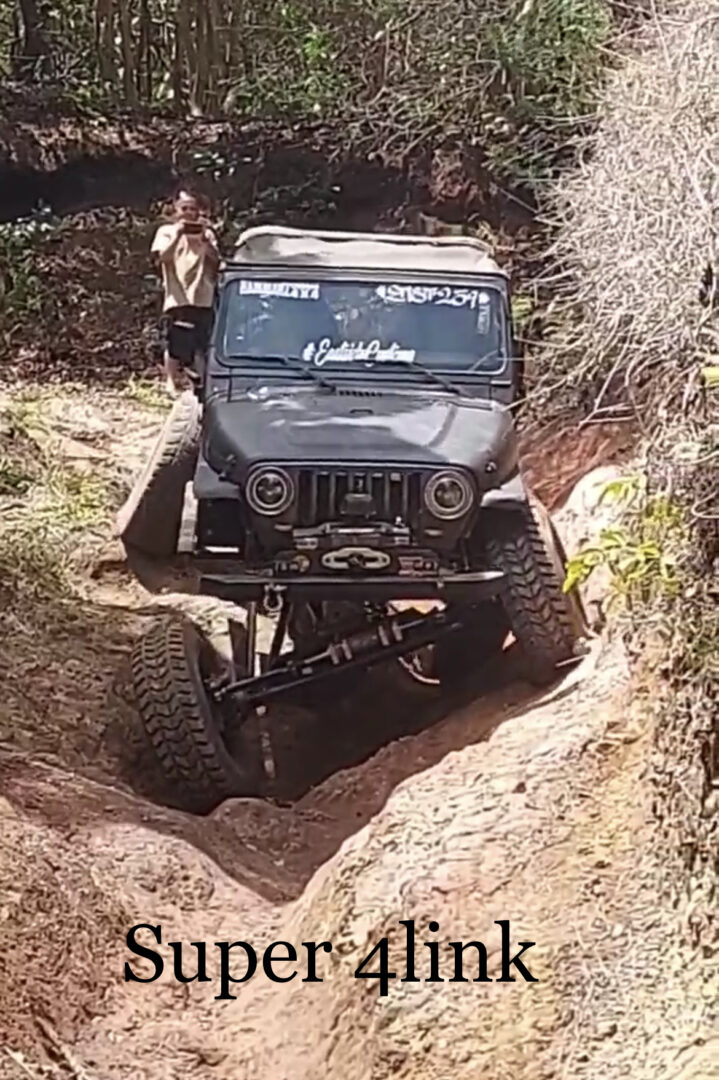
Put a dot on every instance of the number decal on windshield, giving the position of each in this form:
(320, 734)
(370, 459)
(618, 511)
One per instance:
(441, 295)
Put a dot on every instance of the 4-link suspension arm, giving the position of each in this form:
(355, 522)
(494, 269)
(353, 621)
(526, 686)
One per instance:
(386, 639)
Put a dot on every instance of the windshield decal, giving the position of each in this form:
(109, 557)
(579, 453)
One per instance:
(371, 352)
(286, 290)
(484, 315)
(441, 295)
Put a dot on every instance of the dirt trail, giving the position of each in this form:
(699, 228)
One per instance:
(497, 805)
(221, 878)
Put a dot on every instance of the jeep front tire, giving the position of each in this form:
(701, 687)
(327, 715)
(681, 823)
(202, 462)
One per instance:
(205, 752)
(547, 623)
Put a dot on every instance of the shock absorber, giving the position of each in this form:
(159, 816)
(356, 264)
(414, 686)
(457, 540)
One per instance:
(383, 634)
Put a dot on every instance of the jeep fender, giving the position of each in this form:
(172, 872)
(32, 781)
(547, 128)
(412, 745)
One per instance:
(513, 494)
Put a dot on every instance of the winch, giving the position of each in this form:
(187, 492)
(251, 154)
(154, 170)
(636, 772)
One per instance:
(357, 559)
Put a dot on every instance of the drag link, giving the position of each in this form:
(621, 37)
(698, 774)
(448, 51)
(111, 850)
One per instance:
(383, 641)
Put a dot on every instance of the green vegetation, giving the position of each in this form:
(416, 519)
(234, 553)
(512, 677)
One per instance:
(512, 76)
(641, 554)
(22, 294)
(48, 507)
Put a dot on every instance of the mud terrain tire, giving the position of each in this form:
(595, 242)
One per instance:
(466, 651)
(183, 725)
(547, 623)
(150, 520)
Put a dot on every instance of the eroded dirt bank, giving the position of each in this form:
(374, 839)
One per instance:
(498, 805)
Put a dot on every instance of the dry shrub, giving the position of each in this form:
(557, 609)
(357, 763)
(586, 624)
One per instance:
(637, 221)
(635, 314)
(635, 327)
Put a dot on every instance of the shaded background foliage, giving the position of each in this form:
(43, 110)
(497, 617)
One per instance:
(516, 76)
(470, 109)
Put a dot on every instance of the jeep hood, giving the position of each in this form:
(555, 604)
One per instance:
(378, 427)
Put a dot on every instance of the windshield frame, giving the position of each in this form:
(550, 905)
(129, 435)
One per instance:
(233, 273)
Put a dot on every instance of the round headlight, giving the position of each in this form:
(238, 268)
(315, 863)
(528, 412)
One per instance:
(448, 495)
(269, 491)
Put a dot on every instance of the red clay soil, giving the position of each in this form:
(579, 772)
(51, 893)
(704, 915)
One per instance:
(555, 457)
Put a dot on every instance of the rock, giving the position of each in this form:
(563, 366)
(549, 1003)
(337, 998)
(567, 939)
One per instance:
(76, 451)
(580, 523)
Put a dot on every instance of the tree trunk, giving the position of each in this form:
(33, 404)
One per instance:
(105, 35)
(202, 70)
(186, 48)
(179, 97)
(128, 59)
(33, 56)
(144, 56)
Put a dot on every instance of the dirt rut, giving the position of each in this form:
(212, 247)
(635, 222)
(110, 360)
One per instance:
(496, 806)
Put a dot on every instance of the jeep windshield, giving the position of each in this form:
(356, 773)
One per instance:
(350, 326)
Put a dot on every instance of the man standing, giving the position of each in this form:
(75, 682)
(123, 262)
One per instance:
(189, 258)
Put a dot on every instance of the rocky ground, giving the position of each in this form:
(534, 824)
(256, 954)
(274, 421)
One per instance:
(497, 805)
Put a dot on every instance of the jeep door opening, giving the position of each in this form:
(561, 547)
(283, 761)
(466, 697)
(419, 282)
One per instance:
(351, 453)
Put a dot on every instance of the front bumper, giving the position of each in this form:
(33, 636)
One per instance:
(248, 588)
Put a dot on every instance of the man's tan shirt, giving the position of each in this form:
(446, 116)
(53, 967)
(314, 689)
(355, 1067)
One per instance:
(189, 276)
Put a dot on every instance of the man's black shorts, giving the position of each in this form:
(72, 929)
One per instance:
(186, 331)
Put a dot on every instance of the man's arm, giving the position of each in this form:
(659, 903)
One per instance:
(166, 240)
(212, 247)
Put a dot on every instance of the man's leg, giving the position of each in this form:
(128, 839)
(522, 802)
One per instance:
(203, 326)
(178, 352)
(177, 380)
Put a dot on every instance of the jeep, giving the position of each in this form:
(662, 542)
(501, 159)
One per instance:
(347, 466)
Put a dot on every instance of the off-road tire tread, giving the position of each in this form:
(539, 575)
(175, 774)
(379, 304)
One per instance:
(539, 612)
(468, 649)
(155, 519)
(176, 718)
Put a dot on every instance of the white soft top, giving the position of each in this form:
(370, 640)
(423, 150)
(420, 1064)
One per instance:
(275, 246)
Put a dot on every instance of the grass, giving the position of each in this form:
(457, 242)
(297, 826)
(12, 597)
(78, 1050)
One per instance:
(147, 392)
(35, 565)
(20, 428)
(15, 478)
(21, 414)
(77, 499)
(49, 508)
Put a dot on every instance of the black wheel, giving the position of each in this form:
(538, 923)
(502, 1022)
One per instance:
(547, 623)
(481, 640)
(205, 753)
(150, 520)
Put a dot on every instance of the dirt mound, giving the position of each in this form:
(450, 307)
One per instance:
(58, 932)
(506, 850)
(489, 807)
(79, 865)
(542, 824)
(547, 825)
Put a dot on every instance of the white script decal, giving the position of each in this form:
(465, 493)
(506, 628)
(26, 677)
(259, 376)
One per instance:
(371, 352)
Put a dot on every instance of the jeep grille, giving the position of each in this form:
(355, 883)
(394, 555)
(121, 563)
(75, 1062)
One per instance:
(322, 494)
